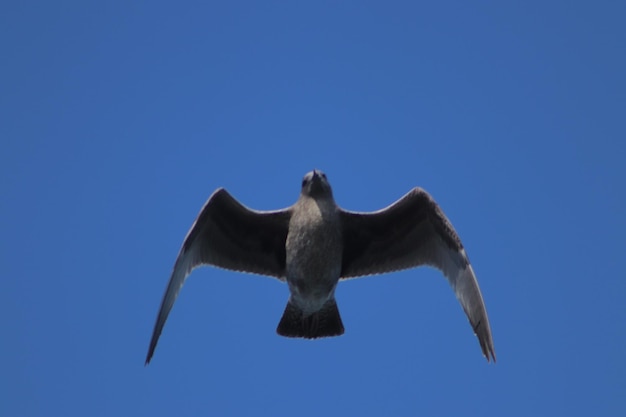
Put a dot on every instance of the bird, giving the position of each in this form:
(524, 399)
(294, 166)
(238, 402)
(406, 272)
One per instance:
(314, 244)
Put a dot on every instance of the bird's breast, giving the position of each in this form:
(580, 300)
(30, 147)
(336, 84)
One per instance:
(314, 250)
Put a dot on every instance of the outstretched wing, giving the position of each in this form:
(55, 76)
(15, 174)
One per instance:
(228, 235)
(411, 232)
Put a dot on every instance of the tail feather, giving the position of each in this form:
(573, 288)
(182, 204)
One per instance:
(323, 323)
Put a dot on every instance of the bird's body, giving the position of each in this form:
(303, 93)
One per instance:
(314, 243)
(313, 267)
(313, 262)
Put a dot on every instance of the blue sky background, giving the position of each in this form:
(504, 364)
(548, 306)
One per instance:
(119, 119)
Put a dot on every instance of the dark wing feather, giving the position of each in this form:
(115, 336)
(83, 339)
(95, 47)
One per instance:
(411, 232)
(228, 235)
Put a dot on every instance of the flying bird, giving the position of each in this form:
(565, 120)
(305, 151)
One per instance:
(314, 244)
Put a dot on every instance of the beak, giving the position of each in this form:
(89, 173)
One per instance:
(315, 174)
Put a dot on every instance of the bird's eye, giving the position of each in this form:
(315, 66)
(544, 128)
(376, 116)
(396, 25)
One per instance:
(303, 182)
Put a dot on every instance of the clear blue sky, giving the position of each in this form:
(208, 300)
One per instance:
(119, 119)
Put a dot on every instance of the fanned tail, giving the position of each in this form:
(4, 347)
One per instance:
(323, 323)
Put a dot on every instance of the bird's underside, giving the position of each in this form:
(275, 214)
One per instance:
(411, 232)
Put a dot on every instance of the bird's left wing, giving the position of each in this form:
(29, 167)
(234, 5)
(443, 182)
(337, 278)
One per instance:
(228, 235)
(411, 232)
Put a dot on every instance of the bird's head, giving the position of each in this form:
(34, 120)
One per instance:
(315, 184)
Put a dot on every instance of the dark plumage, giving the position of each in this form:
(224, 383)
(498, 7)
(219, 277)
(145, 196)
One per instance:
(314, 243)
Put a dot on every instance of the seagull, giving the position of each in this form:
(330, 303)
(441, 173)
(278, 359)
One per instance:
(314, 244)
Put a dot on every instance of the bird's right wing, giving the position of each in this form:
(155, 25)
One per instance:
(228, 235)
(411, 232)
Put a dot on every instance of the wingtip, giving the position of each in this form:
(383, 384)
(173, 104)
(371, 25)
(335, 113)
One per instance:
(150, 352)
(489, 354)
